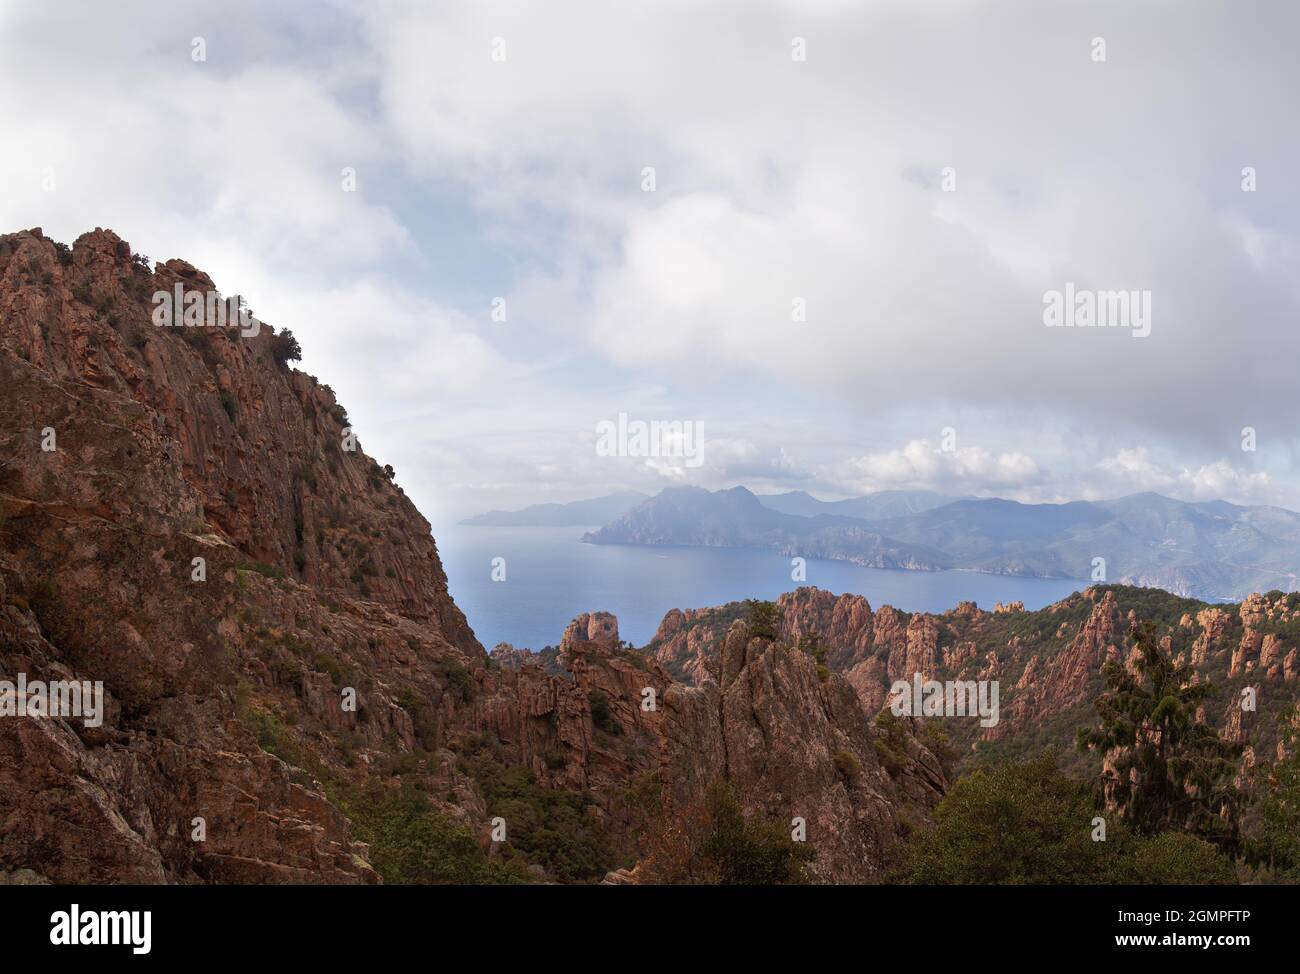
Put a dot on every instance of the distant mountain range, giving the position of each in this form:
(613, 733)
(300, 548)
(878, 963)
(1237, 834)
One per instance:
(738, 518)
(1211, 550)
(598, 510)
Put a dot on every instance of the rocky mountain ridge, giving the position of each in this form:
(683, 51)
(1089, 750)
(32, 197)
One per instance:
(1047, 662)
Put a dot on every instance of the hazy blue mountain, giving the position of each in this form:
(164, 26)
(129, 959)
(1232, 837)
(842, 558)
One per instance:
(735, 518)
(1212, 550)
(881, 504)
(598, 510)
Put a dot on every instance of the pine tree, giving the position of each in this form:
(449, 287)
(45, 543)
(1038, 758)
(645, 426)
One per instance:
(764, 618)
(1166, 767)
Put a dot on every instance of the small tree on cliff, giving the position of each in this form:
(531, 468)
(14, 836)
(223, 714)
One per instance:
(285, 348)
(764, 618)
(1166, 768)
(812, 644)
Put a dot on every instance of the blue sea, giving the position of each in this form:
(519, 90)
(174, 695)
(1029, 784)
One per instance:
(551, 576)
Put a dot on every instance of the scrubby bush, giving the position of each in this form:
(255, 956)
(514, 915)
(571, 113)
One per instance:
(412, 843)
(460, 681)
(1177, 858)
(601, 716)
(749, 851)
(547, 826)
(285, 348)
(848, 765)
(890, 741)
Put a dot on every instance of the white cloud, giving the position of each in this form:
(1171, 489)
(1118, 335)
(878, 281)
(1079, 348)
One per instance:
(924, 465)
(1135, 469)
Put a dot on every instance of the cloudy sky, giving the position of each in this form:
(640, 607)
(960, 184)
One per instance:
(501, 151)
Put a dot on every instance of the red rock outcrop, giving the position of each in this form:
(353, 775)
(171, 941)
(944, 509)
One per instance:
(260, 448)
(591, 627)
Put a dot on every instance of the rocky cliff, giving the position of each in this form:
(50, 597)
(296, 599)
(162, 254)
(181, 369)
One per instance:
(290, 693)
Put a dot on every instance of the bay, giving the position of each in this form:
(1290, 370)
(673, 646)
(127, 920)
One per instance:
(551, 576)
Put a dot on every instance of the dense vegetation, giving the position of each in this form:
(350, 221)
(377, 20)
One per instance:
(547, 826)
(411, 843)
(1273, 846)
(1167, 808)
(1025, 822)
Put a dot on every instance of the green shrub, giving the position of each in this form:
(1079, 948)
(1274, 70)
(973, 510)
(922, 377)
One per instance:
(550, 827)
(1177, 858)
(748, 851)
(1025, 822)
(424, 720)
(411, 843)
(937, 740)
(460, 681)
(263, 569)
(812, 644)
(848, 765)
(890, 741)
(601, 716)
(272, 736)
